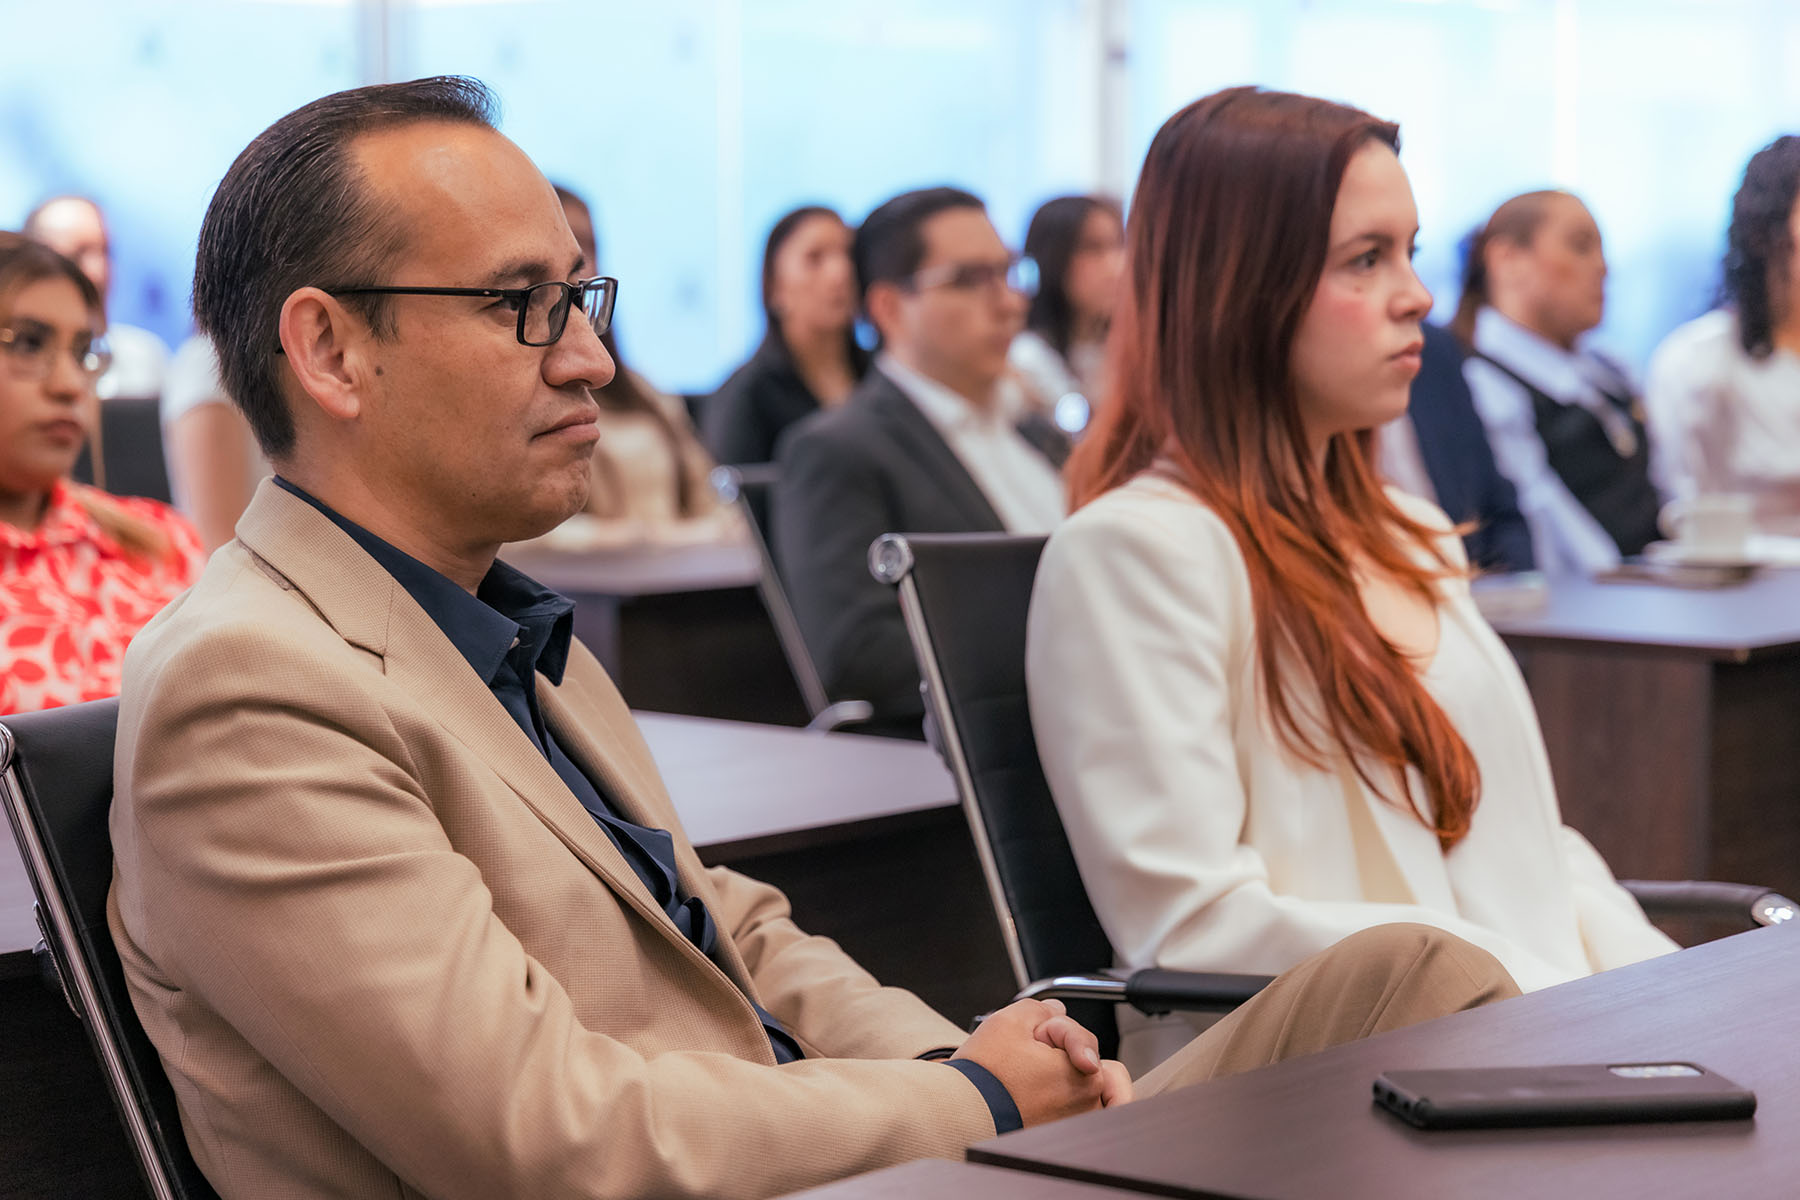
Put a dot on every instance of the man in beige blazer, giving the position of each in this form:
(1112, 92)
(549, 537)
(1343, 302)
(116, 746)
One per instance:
(394, 898)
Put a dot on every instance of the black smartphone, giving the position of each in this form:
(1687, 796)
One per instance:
(1591, 1094)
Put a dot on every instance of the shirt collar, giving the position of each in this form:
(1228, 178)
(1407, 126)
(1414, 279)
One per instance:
(508, 609)
(949, 410)
(1567, 375)
(65, 523)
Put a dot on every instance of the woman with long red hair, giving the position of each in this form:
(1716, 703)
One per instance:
(1266, 704)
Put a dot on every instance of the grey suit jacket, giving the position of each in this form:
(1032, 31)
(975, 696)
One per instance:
(874, 466)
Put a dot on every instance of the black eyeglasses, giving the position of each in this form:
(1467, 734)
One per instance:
(543, 308)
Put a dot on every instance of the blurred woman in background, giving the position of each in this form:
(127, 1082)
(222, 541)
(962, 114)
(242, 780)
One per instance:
(1078, 244)
(649, 470)
(809, 358)
(1564, 423)
(1723, 391)
(1267, 707)
(80, 571)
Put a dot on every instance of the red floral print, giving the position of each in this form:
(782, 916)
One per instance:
(71, 599)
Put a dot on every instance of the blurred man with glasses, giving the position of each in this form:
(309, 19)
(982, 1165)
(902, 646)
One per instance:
(399, 893)
(928, 443)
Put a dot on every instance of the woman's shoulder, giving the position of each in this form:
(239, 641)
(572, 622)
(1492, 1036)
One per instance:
(1704, 345)
(1151, 516)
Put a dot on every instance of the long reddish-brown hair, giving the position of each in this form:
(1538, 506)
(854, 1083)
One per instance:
(1227, 242)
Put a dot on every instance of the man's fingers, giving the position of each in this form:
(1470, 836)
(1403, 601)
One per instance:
(1115, 1084)
(1065, 1033)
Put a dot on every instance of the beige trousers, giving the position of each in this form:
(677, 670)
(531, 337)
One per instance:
(1379, 979)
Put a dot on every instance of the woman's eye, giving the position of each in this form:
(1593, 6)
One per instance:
(1367, 259)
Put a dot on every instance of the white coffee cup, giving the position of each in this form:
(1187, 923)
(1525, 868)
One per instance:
(1719, 523)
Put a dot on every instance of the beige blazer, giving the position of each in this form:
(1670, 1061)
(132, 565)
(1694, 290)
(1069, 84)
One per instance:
(1206, 845)
(383, 951)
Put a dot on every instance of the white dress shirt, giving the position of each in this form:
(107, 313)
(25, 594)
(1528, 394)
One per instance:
(1025, 490)
(1564, 536)
(1207, 844)
(1725, 422)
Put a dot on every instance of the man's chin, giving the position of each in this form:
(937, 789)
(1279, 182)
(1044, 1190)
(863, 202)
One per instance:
(540, 518)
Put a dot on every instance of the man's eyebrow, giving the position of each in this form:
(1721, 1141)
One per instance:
(521, 273)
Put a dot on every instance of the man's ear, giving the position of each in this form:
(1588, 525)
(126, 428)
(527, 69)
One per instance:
(326, 348)
(882, 301)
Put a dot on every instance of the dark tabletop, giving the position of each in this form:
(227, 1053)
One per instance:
(1736, 621)
(1307, 1128)
(639, 570)
(932, 1178)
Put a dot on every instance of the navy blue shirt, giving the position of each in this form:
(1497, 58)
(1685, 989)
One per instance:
(511, 630)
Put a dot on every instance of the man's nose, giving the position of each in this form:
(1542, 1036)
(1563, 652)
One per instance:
(579, 358)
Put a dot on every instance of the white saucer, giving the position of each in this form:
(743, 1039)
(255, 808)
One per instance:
(1683, 554)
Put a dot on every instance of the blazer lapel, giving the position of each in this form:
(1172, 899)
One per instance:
(614, 754)
(364, 604)
(919, 439)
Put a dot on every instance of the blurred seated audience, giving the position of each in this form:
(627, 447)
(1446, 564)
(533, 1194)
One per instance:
(926, 443)
(1077, 244)
(1267, 707)
(1439, 452)
(1564, 423)
(1723, 391)
(214, 461)
(809, 358)
(80, 571)
(75, 228)
(649, 469)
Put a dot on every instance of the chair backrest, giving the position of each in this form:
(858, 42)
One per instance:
(965, 597)
(56, 783)
(748, 487)
(131, 447)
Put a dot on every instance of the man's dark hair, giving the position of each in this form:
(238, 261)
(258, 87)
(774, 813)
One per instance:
(293, 211)
(890, 245)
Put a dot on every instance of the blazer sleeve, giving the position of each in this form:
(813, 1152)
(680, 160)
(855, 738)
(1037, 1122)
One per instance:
(821, 994)
(830, 503)
(308, 895)
(1614, 930)
(1136, 657)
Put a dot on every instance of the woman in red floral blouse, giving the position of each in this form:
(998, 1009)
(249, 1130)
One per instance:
(80, 571)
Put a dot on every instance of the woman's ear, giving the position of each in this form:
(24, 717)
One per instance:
(324, 347)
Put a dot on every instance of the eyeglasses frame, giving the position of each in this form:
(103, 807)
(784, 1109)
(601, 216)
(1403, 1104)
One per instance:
(522, 296)
(93, 363)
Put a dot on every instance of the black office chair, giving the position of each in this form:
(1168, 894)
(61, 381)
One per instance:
(56, 783)
(747, 489)
(965, 597)
(130, 441)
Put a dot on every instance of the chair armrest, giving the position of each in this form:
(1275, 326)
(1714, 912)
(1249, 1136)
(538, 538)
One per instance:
(840, 714)
(1709, 899)
(1153, 990)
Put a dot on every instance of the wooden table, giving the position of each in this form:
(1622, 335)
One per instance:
(679, 628)
(1307, 1127)
(937, 1178)
(1672, 720)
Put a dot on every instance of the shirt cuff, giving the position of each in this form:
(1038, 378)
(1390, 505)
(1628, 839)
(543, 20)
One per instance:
(999, 1100)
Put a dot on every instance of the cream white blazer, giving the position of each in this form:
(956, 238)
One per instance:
(1205, 844)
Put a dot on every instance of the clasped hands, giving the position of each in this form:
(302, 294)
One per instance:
(1047, 1061)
